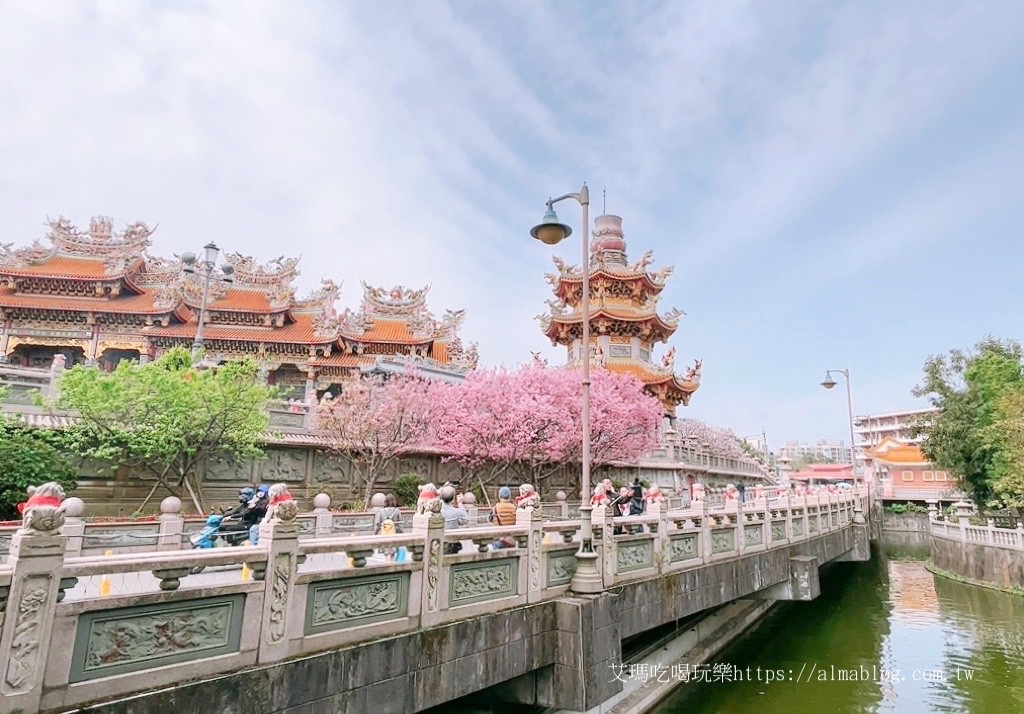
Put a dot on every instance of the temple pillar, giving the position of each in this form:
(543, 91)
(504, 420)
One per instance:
(5, 337)
(90, 359)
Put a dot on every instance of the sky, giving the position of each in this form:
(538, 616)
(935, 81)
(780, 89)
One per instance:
(838, 184)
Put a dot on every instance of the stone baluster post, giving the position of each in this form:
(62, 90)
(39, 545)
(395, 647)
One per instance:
(705, 531)
(933, 509)
(36, 557)
(470, 507)
(172, 525)
(963, 517)
(660, 528)
(324, 518)
(530, 568)
(74, 526)
(608, 553)
(431, 526)
(280, 536)
(740, 527)
(563, 506)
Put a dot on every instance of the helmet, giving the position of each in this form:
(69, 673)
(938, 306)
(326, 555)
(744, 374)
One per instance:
(262, 490)
(504, 492)
(245, 494)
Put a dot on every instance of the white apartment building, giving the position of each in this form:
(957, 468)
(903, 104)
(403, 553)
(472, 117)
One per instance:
(835, 451)
(870, 430)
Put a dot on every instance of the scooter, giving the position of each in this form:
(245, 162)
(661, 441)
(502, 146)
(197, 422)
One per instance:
(214, 535)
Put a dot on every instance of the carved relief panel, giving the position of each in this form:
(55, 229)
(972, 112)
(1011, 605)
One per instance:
(287, 465)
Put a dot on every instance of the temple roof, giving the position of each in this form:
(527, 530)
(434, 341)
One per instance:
(893, 451)
(145, 304)
(301, 331)
(98, 254)
(251, 302)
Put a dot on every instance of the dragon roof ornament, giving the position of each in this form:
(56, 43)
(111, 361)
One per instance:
(398, 301)
(277, 273)
(101, 240)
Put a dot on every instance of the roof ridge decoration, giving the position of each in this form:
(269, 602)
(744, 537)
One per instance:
(117, 249)
(321, 301)
(461, 357)
(399, 301)
(279, 272)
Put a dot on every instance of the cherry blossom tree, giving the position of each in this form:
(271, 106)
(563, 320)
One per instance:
(531, 418)
(718, 441)
(499, 418)
(375, 421)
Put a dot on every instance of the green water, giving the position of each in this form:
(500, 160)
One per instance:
(917, 643)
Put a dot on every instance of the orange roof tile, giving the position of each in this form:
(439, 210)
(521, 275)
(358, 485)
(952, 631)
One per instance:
(900, 454)
(64, 266)
(391, 331)
(244, 300)
(342, 360)
(439, 351)
(142, 304)
(301, 332)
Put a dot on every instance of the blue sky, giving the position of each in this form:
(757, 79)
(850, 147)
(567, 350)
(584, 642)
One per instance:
(837, 184)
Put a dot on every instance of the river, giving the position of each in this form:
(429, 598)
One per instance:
(914, 642)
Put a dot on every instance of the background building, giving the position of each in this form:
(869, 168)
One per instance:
(821, 451)
(873, 429)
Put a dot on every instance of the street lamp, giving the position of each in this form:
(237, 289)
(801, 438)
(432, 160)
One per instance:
(194, 266)
(828, 383)
(551, 231)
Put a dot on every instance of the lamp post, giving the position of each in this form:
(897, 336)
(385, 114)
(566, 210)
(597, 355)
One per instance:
(828, 383)
(551, 231)
(205, 267)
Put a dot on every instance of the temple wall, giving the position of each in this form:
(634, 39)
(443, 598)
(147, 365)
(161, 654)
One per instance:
(309, 471)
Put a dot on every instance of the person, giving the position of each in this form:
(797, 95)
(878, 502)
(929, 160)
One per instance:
(620, 507)
(454, 517)
(388, 522)
(504, 514)
(258, 509)
(504, 511)
(636, 499)
(390, 512)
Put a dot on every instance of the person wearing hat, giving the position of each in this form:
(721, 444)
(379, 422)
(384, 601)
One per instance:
(503, 514)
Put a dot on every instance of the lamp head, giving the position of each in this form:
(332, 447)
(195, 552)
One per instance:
(550, 230)
(229, 272)
(828, 382)
(188, 258)
(210, 253)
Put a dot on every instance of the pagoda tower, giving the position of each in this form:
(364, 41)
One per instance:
(624, 320)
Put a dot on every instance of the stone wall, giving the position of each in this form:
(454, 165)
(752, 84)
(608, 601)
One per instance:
(904, 522)
(979, 561)
(309, 471)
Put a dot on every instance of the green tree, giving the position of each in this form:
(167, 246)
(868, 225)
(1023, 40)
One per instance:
(965, 436)
(30, 457)
(166, 417)
(1006, 438)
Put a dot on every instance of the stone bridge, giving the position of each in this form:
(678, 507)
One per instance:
(323, 623)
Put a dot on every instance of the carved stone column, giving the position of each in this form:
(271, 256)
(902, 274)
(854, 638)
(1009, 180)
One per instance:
(431, 525)
(281, 537)
(74, 526)
(37, 554)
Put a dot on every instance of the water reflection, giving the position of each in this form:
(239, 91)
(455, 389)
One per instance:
(913, 642)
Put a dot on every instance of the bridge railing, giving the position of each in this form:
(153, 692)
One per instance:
(961, 530)
(73, 627)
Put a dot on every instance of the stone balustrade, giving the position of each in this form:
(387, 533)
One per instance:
(66, 641)
(960, 529)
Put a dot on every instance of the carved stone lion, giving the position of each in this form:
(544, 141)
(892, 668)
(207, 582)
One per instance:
(428, 502)
(43, 513)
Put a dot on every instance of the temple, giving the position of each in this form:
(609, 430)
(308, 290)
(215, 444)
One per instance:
(98, 297)
(624, 318)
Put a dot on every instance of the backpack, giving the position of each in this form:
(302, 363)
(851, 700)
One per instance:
(390, 522)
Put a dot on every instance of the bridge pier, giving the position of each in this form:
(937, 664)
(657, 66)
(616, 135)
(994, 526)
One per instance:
(803, 583)
(587, 628)
(861, 550)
